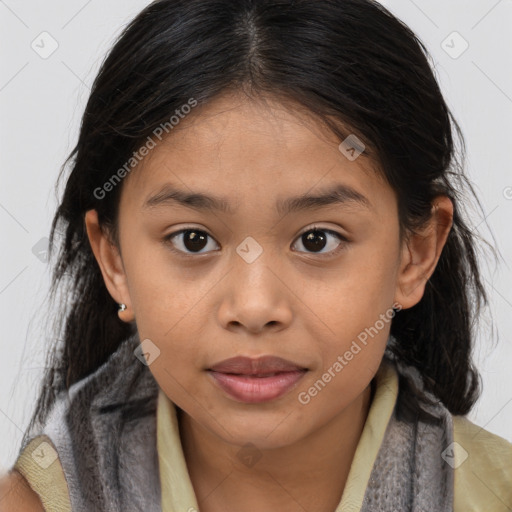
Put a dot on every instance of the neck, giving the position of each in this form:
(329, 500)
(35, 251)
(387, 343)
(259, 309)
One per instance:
(307, 475)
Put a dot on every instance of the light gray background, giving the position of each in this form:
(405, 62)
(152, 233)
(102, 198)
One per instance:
(41, 101)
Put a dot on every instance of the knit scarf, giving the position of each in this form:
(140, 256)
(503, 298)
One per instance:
(104, 431)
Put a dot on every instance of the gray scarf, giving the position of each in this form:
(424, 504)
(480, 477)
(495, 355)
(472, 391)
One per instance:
(104, 431)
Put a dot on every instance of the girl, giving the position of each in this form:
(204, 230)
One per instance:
(267, 192)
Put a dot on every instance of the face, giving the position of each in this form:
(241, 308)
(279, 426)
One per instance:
(311, 282)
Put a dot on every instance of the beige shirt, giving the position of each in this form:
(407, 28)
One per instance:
(482, 461)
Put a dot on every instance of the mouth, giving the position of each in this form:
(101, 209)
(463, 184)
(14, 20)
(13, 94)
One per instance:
(250, 380)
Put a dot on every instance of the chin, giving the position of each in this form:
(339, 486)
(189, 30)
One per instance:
(270, 433)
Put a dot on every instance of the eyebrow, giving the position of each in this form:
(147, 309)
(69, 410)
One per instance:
(339, 194)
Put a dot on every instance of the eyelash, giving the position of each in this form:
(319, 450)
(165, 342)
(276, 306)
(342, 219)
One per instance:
(168, 241)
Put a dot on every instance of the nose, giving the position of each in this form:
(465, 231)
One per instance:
(255, 298)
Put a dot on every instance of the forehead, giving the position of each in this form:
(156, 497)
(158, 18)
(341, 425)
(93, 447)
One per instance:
(250, 151)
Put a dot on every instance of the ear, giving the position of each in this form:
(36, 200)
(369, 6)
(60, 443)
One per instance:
(421, 252)
(111, 264)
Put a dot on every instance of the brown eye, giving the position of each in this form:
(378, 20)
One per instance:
(317, 239)
(189, 241)
(314, 240)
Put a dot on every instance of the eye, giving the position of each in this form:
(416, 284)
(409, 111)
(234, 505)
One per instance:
(190, 239)
(316, 239)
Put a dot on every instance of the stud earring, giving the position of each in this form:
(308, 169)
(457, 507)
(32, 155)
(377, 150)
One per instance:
(125, 317)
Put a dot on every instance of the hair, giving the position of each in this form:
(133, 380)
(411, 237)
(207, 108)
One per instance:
(350, 63)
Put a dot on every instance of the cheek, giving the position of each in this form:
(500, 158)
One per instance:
(170, 311)
(372, 273)
(183, 353)
(183, 386)
(359, 311)
(162, 292)
(348, 364)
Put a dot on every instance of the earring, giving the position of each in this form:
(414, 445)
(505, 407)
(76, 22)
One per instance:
(128, 318)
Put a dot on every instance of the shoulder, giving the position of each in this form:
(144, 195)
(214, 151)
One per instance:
(39, 467)
(16, 495)
(482, 463)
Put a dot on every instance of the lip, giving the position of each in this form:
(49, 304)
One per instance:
(256, 380)
(254, 366)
